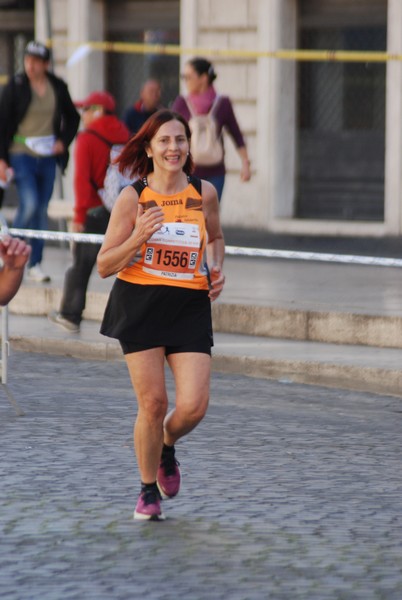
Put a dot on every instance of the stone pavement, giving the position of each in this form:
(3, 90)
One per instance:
(289, 492)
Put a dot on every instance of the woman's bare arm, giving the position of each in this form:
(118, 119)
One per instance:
(216, 242)
(129, 227)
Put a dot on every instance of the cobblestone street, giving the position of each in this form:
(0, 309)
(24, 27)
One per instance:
(289, 492)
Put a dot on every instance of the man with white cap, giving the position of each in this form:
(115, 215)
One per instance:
(38, 122)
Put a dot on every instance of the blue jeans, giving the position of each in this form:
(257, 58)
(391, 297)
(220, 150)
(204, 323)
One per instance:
(218, 181)
(34, 178)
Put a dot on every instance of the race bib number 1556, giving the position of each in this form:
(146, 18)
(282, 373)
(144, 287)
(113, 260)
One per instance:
(172, 252)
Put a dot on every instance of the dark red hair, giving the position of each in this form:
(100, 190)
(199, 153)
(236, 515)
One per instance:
(134, 160)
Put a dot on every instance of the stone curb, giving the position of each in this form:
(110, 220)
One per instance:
(358, 378)
(307, 325)
(326, 374)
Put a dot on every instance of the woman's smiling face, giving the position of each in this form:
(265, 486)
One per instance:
(169, 147)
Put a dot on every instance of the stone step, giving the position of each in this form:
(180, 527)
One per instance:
(330, 365)
(336, 327)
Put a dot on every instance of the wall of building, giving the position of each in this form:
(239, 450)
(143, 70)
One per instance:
(207, 24)
(393, 131)
(71, 23)
(263, 91)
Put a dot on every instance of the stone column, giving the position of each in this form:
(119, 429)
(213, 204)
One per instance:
(73, 22)
(188, 31)
(85, 66)
(276, 109)
(393, 127)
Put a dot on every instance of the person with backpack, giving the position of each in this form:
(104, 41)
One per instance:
(162, 232)
(208, 114)
(102, 133)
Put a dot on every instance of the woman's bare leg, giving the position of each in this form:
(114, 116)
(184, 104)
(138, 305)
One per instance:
(192, 372)
(147, 373)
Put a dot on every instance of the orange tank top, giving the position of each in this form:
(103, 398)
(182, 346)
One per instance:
(176, 254)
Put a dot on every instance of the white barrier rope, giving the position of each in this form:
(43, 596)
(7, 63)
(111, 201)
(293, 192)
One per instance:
(58, 236)
(92, 238)
(230, 250)
(315, 256)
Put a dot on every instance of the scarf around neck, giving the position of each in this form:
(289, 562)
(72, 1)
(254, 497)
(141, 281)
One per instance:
(201, 103)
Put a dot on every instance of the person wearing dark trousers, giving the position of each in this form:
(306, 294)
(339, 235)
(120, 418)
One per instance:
(101, 129)
(38, 122)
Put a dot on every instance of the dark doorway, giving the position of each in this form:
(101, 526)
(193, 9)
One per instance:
(143, 22)
(341, 136)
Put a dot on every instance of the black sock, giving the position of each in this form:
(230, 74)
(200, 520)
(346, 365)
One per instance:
(167, 450)
(146, 487)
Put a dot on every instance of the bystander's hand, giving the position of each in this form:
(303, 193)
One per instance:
(78, 227)
(3, 170)
(245, 173)
(58, 147)
(14, 253)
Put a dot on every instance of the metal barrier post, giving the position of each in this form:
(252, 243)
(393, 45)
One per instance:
(5, 344)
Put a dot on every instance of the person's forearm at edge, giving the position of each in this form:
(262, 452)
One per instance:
(10, 280)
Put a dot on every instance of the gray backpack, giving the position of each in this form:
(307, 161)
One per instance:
(206, 144)
(114, 181)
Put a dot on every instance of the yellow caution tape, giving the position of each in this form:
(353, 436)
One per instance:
(177, 50)
(298, 55)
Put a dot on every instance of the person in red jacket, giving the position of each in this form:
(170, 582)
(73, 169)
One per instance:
(101, 129)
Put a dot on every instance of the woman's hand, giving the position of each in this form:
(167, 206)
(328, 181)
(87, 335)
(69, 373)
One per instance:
(147, 223)
(217, 281)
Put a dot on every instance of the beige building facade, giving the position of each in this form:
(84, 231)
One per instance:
(325, 141)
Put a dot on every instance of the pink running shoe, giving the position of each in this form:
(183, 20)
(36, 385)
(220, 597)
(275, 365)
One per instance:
(149, 506)
(168, 477)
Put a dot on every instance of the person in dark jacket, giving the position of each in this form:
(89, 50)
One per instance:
(101, 130)
(147, 104)
(38, 122)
